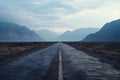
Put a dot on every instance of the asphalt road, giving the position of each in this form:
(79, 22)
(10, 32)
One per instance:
(58, 62)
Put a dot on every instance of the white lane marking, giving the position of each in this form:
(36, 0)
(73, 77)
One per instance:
(60, 72)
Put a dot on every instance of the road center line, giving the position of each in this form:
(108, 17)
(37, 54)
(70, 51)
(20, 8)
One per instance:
(60, 72)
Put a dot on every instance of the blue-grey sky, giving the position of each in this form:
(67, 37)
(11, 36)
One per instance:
(59, 15)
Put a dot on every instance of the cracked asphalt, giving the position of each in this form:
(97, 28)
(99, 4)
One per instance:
(44, 65)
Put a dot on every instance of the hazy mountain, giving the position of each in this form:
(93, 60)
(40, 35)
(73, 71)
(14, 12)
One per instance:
(13, 32)
(48, 35)
(77, 35)
(109, 32)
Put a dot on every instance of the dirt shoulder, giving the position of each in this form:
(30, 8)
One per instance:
(9, 51)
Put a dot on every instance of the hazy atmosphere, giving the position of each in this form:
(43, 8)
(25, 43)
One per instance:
(59, 15)
(59, 39)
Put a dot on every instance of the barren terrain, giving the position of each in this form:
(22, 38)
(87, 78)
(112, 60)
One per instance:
(12, 50)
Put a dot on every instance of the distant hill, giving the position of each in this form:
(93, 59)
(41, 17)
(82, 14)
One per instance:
(13, 32)
(48, 35)
(109, 32)
(77, 35)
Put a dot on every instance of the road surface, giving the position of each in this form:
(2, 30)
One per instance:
(58, 62)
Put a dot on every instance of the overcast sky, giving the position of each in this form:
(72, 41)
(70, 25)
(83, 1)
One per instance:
(59, 15)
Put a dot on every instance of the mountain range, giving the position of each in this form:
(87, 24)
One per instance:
(48, 35)
(10, 32)
(109, 32)
(14, 32)
(77, 35)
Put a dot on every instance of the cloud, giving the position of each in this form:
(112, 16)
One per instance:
(84, 4)
(59, 14)
(95, 17)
